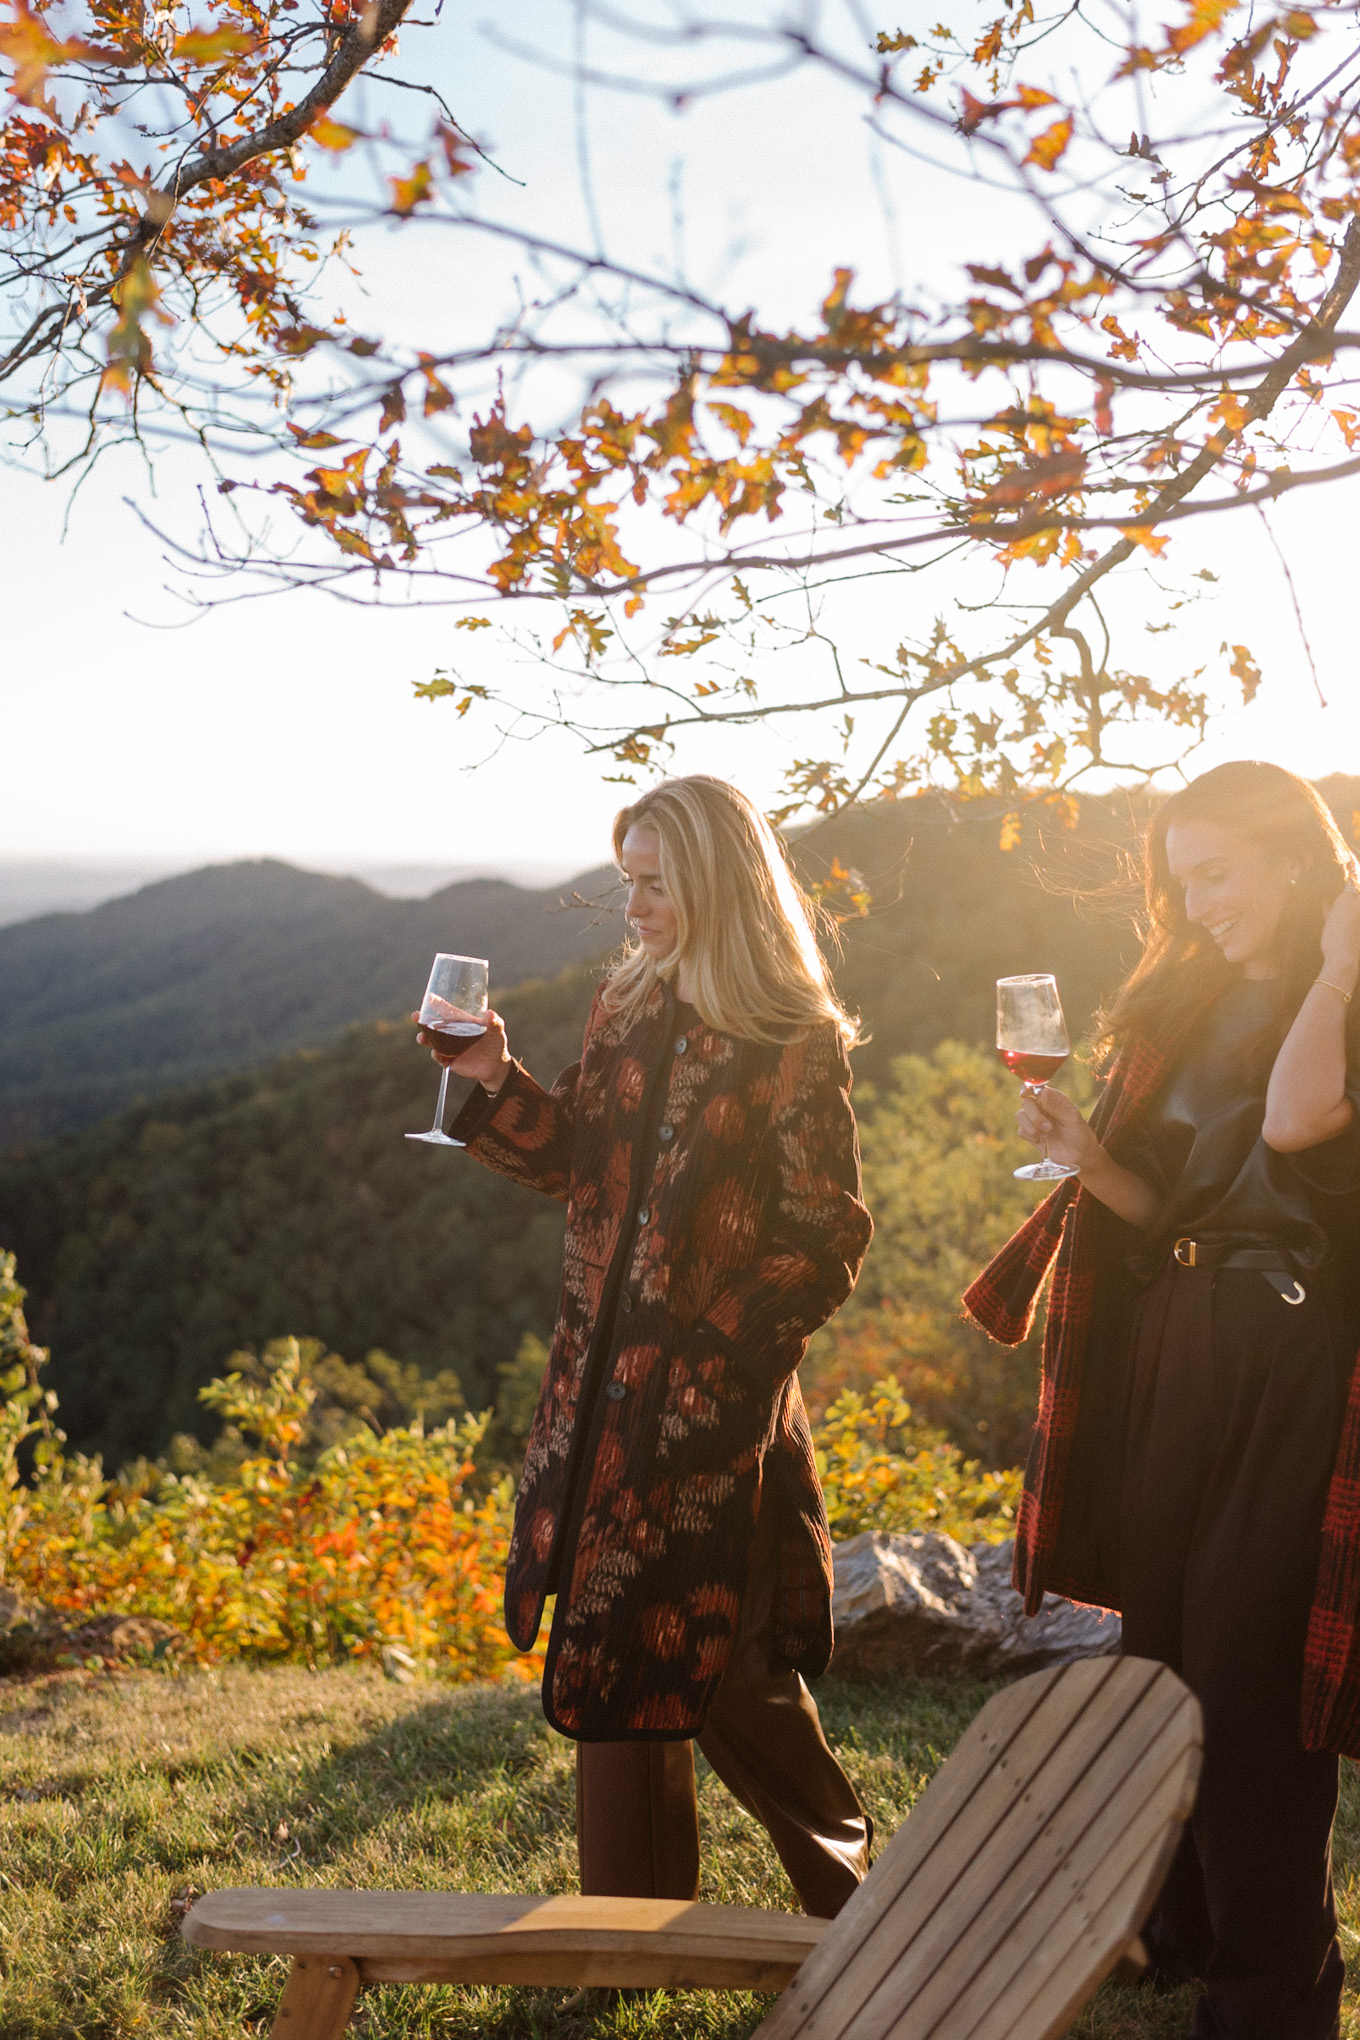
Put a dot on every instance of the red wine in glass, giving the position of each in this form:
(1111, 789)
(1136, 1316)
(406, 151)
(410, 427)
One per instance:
(454, 1037)
(1033, 1043)
(452, 1014)
(1033, 1069)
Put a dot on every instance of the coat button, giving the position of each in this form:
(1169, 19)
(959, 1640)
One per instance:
(667, 1133)
(643, 1215)
(616, 1391)
(626, 1304)
(681, 1045)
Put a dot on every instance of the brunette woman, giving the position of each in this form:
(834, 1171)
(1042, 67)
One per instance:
(1196, 1463)
(705, 1149)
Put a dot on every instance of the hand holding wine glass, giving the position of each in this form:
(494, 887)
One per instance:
(1032, 1041)
(485, 1059)
(453, 1016)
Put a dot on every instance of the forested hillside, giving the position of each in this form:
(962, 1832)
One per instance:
(284, 1200)
(224, 968)
(155, 1244)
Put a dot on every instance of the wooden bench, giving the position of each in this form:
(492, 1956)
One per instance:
(1019, 1883)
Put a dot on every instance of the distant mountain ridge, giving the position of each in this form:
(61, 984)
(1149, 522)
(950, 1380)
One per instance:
(219, 969)
(224, 969)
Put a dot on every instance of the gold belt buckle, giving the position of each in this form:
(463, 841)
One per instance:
(1189, 1258)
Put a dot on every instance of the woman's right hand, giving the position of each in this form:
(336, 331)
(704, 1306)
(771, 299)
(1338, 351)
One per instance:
(1048, 1119)
(486, 1060)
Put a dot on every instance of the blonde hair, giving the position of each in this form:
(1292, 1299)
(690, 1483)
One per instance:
(744, 926)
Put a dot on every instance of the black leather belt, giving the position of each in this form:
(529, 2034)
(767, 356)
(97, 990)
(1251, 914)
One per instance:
(1267, 1261)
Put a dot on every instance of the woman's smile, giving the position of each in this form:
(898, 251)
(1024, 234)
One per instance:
(1233, 890)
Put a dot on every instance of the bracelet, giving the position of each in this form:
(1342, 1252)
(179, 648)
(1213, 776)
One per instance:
(1347, 996)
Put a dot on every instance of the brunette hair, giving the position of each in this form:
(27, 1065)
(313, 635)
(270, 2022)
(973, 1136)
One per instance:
(1181, 968)
(744, 926)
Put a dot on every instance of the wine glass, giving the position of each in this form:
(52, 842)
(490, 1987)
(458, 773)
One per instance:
(1032, 1041)
(453, 1012)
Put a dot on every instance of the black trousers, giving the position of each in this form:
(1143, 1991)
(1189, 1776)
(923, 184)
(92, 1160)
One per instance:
(637, 1816)
(1236, 1406)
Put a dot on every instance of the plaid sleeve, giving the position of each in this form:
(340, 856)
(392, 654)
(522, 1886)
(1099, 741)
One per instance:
(1003, 1298)
(1331, 1653)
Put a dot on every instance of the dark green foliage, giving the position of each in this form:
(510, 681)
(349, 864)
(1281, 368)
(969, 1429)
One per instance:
(353, 1398)
(164, 1239)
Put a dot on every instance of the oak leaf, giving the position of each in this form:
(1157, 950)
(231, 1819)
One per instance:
(1244, 670)
(333, 134)
(211, 45)
(1046, 149)
(409, 192)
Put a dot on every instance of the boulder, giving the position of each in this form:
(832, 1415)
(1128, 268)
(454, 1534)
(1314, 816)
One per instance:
(921, 1604)
(34, 1638)
(16, 1610)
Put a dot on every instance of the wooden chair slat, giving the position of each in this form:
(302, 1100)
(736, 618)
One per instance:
(989, 1742)
(492, 1938)
(1081, 1870)
(1056, 1838)
(1112, 1885)
(916, 1878)
(717, 1966)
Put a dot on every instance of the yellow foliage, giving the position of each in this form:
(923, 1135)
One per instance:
(882, 1470)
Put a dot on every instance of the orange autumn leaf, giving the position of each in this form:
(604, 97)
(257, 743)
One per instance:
(33, 50)
(1054, 475)
(1203, 18)
(1139, 534)
(409, 192)
(1244, 670)
(333, 134)
(1047, 149)
(211, 45)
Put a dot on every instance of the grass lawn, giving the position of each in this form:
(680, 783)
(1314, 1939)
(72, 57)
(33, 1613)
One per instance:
(123, 1794)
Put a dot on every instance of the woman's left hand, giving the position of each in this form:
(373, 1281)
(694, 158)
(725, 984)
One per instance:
(1341, 938)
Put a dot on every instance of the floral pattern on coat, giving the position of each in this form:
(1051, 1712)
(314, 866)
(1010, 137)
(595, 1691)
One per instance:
(714, 1221)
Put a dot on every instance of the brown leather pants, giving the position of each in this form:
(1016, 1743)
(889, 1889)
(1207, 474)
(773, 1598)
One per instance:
(637, 1817)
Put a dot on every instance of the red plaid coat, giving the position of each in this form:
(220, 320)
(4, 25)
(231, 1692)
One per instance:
(670, 1411)
(1065, 1233)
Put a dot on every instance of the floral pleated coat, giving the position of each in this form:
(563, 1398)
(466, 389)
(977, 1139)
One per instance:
(714, 1220)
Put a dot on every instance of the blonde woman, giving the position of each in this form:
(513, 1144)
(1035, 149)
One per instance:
(705, 1149)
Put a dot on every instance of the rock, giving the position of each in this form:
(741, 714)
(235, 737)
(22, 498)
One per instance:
(122, 1636)
(399, 1665)
(924, 1605)
(34, 1638)
(16, 1611)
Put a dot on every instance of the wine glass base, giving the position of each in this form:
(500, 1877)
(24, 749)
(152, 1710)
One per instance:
(1045, 1172)
(437, 1139)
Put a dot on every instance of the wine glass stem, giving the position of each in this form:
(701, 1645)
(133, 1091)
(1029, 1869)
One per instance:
(1034, 1091)
(438, 1126)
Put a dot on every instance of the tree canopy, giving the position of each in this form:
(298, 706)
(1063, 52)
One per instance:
(1163, 338)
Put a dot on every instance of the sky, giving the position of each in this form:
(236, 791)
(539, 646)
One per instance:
(288, 727)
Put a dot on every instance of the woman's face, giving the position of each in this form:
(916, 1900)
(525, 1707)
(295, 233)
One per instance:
(1235, 891)
(648, 908)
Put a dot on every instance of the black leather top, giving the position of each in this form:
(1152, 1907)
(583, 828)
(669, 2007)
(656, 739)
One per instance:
(1199, 1145)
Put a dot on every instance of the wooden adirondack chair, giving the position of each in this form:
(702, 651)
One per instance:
(1019, 1883)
